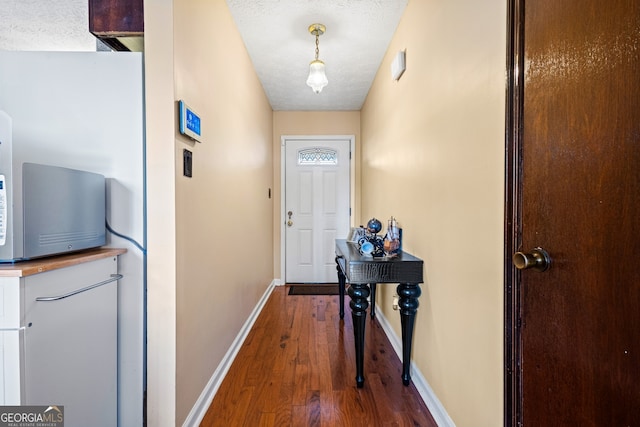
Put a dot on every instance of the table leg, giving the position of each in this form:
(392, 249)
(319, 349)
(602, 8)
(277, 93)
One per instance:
(359, 294)
(341, 285)
(408, 304)
(373, 300)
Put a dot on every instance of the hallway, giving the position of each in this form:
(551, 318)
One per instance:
(297, 368)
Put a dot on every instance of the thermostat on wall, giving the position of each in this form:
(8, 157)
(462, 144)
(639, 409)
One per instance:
(189, 122)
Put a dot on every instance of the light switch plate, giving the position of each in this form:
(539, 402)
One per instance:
(187, 163)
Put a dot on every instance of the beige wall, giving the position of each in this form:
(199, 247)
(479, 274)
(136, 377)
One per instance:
(309, 123)
(161, 228)
(432, 156)
(218, 212)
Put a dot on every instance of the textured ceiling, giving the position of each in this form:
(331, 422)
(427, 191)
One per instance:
(45, 25)
(275, 33)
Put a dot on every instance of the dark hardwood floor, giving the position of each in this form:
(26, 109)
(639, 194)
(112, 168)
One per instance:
(297, 368)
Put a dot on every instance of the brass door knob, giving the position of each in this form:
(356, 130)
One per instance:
(289, 223)
(537, 259)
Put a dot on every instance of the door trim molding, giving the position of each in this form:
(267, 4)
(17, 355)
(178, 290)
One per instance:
(513, 212)
(283, 165)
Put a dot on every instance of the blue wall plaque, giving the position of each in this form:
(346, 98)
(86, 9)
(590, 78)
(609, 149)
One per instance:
(189, 122)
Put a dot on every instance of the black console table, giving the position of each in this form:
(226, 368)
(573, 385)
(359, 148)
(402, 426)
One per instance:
(364, 271)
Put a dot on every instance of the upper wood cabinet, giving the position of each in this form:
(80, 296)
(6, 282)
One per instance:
(118, 23)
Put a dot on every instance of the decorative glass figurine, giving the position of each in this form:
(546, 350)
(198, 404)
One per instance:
(392, 244)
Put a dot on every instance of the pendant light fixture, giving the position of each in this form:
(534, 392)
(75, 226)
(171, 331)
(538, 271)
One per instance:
(317, 79)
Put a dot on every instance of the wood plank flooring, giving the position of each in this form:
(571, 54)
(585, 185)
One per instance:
(297, 368)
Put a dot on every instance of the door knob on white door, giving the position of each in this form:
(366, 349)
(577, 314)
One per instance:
(537, 259)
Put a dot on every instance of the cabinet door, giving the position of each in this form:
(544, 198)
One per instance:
(71, 343)
(10, 335)
(9, 368)
(118, 23)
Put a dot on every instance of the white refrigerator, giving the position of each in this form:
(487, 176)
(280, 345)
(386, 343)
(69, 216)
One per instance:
(85, 110)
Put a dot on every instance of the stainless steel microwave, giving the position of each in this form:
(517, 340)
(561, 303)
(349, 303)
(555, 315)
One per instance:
(50, 210)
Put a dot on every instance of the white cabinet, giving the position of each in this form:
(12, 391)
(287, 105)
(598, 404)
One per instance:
(9, 375)
(58, 341)
(11, 335)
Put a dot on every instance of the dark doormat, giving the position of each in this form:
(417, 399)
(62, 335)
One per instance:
(313, 290)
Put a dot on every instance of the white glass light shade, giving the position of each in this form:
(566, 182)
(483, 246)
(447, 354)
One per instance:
(317, 79)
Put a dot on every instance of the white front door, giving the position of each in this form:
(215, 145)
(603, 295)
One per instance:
(316, 205)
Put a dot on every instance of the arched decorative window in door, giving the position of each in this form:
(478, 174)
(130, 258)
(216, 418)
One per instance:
(317, 156)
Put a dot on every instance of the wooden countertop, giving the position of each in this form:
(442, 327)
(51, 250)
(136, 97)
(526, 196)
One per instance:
(40, 265)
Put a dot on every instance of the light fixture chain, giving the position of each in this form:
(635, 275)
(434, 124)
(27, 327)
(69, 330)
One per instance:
(317, 46)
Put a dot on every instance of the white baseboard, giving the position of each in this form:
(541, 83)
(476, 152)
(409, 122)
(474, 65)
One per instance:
(206, 397)
(430, 399)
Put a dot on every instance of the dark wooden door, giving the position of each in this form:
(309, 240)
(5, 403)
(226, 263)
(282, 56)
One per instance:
(574, 330)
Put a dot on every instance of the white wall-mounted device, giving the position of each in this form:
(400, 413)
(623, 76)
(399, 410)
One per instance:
(398, 65)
